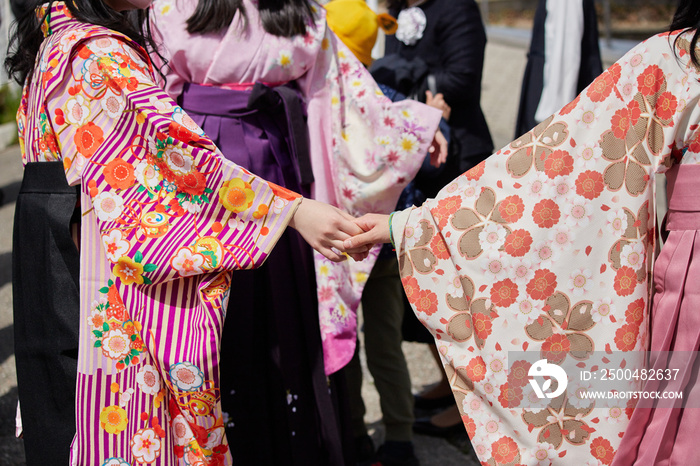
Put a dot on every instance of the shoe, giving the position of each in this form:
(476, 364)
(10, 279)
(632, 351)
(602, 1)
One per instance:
(395, 454)
(431, 404)
(364, 449)
(426, 427)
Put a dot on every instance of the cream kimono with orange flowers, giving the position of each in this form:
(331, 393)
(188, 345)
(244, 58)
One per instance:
(547, 247)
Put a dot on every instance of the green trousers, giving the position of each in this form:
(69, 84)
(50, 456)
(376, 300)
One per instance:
(382, 310)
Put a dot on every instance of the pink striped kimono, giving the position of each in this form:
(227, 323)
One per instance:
(164, 219)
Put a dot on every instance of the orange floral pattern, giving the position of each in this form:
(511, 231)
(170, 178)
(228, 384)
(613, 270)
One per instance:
(569, 204)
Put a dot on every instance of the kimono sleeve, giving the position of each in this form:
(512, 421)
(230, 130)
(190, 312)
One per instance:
(166, 203)
(364, 151)
(547, 247)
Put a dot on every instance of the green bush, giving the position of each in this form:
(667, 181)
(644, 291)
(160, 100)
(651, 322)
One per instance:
(9, 102)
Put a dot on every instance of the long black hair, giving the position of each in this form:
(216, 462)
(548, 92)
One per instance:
(282, 18)
(26, 37)
(687, 17)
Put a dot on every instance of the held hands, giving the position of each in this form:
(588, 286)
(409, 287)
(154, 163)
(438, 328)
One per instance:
(438, 101)
(375, 229)
(438, 150)
(325, 228)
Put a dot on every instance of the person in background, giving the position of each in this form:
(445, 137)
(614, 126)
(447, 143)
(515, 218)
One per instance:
(354, 22)
(309, 117)
(564, 58)
(439, 46)
(549, 247)
(127, 225)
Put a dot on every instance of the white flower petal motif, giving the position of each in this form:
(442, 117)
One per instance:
(145, 445)
(113, 105)
(521, 270)
(579, 394)
(492, 237)
(115, 344)
(633, 255)
(178, 161)
(412, 235)
(526, 310)
(580, 281)
(184, 119)
(186, 376)
(563, 188)
(77, 112)
(490, 427)
(148, 379)
(545, 254)
(188, 263)
(412, 24)
(115, 245)
(578, 212)
(539, 186)
(588, 156)
(544, 454)
(108, 206)
(602, 309)
(617, 221)
(562, 237)
(495, 265)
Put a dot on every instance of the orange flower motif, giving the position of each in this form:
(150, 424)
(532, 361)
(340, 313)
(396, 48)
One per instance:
(504, 450)
(620, 123)
(666, 105)
(518, 375)
(482, 326)
(558, 163)
(511, 209)
(427, 302)
(410, 284)
(555, 347)
(651, 80)
(284, 193)
(439, 247)
(626, 337)
(518, 243)
(181, 133)
(88, 138)
(602, 450)
(570, 106)
(469, 425)
(546, 213)
(542, 286)
(475, 172)
(476, 369)
(192, 183)
(635, 312)
(589, 184)
(601, 88)
(625, 281)
(510, 396)
(129, 271)
(445, 208)
(504, 293)
(119, 174)
(116, 309)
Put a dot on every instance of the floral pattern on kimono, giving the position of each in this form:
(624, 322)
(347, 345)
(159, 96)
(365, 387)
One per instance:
(165, 220)
(547, 246)
(364, 148)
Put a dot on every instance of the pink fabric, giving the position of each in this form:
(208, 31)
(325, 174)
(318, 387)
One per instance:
(668, 435)
(364, 148)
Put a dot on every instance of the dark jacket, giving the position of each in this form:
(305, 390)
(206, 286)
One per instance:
(453, 46)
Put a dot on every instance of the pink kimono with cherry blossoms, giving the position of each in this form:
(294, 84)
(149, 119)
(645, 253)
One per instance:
(548, 247)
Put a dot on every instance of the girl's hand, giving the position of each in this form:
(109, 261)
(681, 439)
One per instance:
(438, 101)
(376, 230)
(325, 228)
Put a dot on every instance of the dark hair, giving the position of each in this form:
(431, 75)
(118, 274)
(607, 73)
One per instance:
(687, 17)
(282, 18)
(26, 37)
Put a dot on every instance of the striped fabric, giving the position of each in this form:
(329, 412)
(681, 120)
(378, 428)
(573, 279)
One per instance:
(165, 220)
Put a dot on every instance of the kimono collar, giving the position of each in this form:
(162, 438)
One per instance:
(54, 17)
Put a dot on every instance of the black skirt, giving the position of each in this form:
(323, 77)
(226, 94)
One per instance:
(45, 273)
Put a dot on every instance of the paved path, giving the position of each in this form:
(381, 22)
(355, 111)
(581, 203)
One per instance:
(501, 90)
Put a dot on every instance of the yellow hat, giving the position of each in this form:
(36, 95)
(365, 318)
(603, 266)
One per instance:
(356, 25)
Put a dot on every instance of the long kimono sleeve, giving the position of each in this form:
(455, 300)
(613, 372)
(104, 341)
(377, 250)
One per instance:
(364, 150)
(547, 247)
(166, 203)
